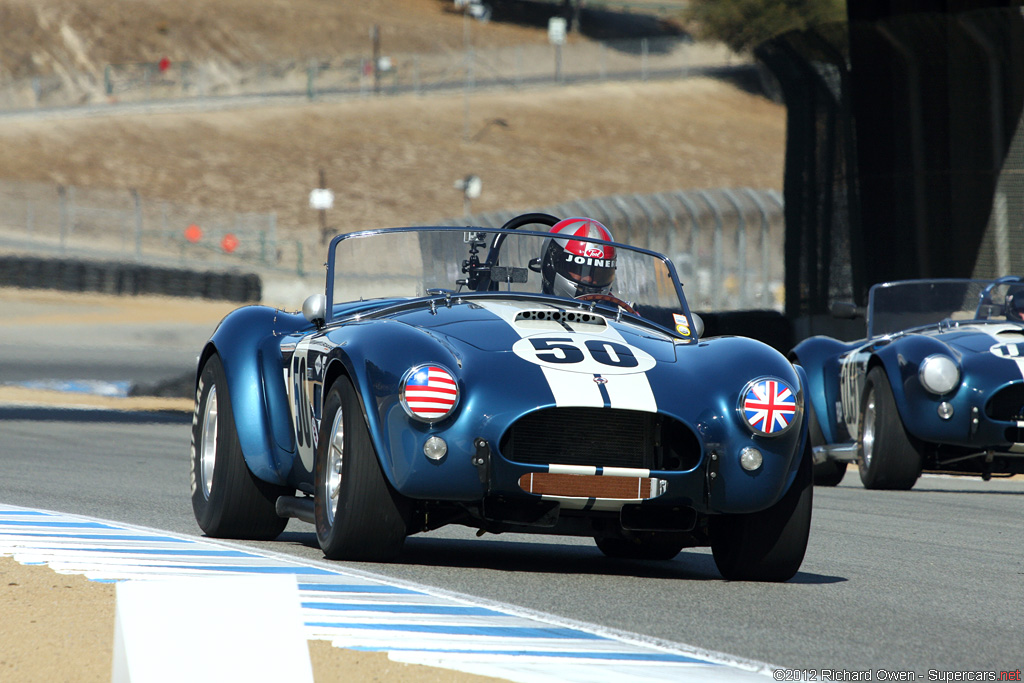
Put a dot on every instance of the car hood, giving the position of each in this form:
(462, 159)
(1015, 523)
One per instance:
(527, 354)
(999, 338)
(499, 325)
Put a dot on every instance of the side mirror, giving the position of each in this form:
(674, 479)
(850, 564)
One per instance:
(846, 310)
(314, 309)
(698, 325)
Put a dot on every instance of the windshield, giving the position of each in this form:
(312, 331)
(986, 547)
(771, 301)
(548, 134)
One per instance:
(897, 306)
(418, 262)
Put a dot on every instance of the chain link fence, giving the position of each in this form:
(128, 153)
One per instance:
(470, 68)
(726, 243)
(1002, 249)
(122, 225)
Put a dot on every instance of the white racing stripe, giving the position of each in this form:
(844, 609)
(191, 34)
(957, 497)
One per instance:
(605, 471)
(616, 388)
(1002, 348)
(573, 389)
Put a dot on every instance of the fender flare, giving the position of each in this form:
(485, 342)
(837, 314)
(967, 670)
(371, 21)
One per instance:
(901, 360)
(248, 342)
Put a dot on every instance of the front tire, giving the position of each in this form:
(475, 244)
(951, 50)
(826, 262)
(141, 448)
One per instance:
(358, 515)
(768, 545)
(227, 499)
(889, 459)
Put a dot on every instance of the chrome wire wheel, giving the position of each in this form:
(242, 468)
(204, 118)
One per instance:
(868, 437)
(208, 445)
(335, 459)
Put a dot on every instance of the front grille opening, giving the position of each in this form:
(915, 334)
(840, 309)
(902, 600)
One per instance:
(601, 437)
(680, 448)
(1007, 404)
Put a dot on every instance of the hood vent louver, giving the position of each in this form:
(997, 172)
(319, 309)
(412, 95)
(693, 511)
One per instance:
(560, 316)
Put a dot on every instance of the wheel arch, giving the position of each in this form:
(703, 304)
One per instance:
(901, 360)
(248, 343)
(357, 355)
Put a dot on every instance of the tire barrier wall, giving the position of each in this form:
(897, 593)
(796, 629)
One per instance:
(30, 272)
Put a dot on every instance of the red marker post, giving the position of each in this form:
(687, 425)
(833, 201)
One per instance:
(229, 243)
(193, 233)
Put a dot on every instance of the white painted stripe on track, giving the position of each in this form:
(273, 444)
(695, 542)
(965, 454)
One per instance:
(360, 610)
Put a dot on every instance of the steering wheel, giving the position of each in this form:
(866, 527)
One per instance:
(985, 306)
(611, 299)
(512, 224)
(480, 273)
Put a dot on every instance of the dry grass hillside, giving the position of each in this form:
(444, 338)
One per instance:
(53, 36)
(390, 160)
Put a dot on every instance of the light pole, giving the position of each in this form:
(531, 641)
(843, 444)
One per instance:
(471, 186)
(556, 36)
(476, 9)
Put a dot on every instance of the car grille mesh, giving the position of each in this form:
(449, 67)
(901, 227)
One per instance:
(1007, 404)
(582, 436)
(601, 437)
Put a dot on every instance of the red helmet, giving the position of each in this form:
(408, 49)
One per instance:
(572, 266)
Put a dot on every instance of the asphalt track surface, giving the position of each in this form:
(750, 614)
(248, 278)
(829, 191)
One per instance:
(926, 580)
(931, 579)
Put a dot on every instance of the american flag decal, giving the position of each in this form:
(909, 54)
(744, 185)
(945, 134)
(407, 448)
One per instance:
(769, 406)
(430, 393)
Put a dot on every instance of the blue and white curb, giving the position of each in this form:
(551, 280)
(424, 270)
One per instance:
(361, 611)
(95, 387)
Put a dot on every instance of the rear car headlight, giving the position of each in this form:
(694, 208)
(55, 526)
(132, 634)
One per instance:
(939, 374)
(769, 406)
(429, 393)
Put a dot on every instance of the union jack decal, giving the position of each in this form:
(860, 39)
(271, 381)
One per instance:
(769, 406)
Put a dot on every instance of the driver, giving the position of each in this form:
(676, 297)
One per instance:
(1014, 308)
(572, 267)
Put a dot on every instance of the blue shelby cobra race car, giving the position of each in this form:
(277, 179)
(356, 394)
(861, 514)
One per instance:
(938, 384)
(445, 377)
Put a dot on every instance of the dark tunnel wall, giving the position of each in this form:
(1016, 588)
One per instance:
(899, 126)
(936, 98)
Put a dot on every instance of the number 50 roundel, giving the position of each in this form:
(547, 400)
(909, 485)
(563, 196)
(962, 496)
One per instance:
(583, 353)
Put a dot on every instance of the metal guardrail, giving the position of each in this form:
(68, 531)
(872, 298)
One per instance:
(726, 243)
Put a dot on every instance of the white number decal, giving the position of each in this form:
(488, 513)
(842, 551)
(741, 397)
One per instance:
(584, 353)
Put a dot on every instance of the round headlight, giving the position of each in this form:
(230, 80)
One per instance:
(769, 406)
(429, 393)
(939, 374)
